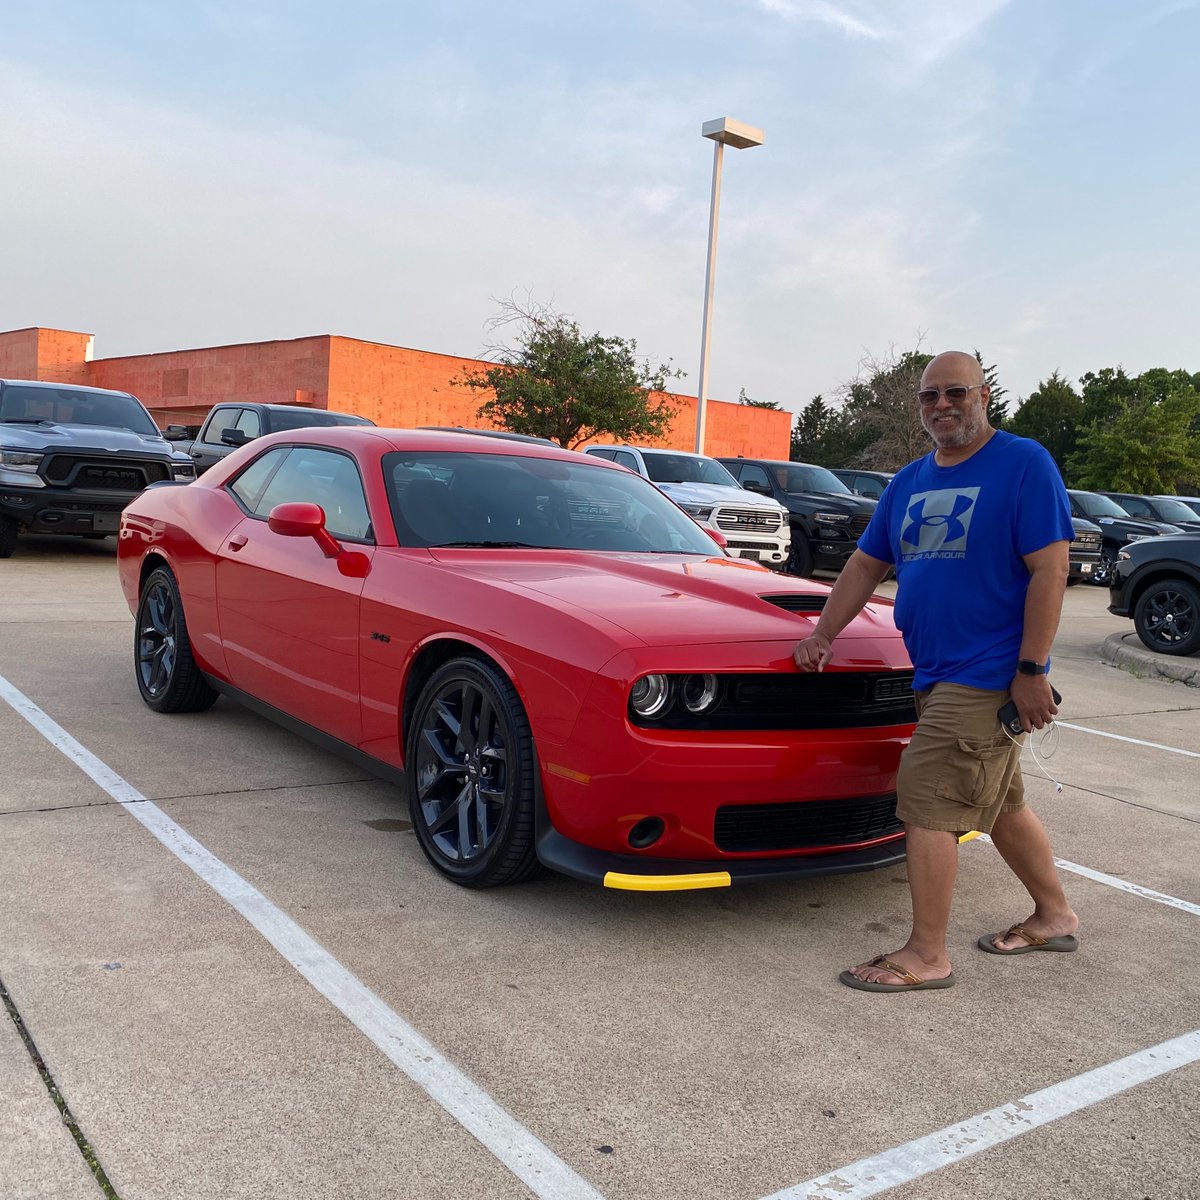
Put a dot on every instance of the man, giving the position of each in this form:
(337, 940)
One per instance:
(977, 532)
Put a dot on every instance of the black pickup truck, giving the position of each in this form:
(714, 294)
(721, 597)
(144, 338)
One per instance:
(72, 457)
(233, 424)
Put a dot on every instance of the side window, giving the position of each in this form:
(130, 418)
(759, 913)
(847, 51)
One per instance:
(248, 486)
(749, 473)
(220, 420)
(321, 477)
(609, 454)
(249, 423)
(864, 485)
(624, 459)
(1135, 508)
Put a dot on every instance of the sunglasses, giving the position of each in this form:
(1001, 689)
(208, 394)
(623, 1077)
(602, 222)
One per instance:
(955, 395)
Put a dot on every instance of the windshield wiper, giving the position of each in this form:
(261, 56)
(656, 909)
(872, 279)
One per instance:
(489, 546)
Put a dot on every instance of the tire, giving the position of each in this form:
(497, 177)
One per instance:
(1074, 581)
(1102, 572)
(8, 536)
(167, 675)
(1167, 617)
(800, 560)
(470, 772)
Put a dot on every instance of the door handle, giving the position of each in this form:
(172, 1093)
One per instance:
(238, 541)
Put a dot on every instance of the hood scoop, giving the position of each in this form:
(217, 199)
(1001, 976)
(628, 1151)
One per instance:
(792, 602)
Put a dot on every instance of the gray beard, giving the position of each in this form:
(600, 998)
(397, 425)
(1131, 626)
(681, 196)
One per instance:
(967, 430)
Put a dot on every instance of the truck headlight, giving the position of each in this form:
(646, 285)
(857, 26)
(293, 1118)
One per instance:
(698, 512)
(20, 460)
(183, 470)
(831, 518)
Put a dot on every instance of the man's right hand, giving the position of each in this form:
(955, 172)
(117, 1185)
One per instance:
(814, 653)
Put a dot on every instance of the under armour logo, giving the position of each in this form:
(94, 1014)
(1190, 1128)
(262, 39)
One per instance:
(938, 520)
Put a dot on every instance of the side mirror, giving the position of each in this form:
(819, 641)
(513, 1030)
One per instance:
(301, 518)
(753, 485)
(175, 433)
(235, 437)
(717, 536)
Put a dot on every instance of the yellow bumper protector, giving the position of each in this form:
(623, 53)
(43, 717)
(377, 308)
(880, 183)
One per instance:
(666, 883)
(966, 837)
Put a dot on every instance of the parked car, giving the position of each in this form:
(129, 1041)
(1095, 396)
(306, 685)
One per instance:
(72, 457)
(559, 661)
(1117, 528)
(1193, 502)
(1166, 509)
(1085, 551)
(864, 483)
(233, 424)
(753, 527)
(826, 517)
(495, 433)
(1157, 583)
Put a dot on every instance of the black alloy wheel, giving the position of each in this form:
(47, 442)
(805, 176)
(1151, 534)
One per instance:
(1167, 617)
(470, 774)
(167, 675)
(8, 536)
(1102, 572)
(800, 559)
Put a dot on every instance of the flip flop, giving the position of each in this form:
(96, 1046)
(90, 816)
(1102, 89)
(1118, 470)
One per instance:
(912, 983)
(1063, 944)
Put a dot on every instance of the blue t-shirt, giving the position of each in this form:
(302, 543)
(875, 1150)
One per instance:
(956, 536)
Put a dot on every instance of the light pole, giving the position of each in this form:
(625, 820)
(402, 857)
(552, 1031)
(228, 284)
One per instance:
(724, 132)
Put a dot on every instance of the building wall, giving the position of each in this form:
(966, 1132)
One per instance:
(393, 385)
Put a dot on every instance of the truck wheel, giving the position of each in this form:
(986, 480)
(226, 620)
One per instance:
(8, 536)
(1102, 572)
(800, 561)
(167, 675)
(1167, 617)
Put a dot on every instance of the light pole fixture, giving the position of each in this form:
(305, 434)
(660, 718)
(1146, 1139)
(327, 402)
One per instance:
(724, 132)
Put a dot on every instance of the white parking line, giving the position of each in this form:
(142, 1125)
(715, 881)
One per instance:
(1117, 737)
(1113, 881)
(542, 1171)
(902, 1164)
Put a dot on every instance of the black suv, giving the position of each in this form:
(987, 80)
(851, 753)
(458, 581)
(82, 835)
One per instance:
(1117, 528)
(827, 518)
(72, 457)
(1157, 583)
(1157, 508)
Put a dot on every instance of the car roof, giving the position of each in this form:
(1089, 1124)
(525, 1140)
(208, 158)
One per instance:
(494, 433)
(51, 384)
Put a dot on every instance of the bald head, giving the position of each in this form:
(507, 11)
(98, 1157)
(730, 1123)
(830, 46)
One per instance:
(953, 404)
(956, 364)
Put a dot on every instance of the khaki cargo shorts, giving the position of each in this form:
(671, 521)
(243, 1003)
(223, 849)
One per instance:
(961, 770)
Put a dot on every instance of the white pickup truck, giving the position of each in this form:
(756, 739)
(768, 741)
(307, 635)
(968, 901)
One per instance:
(754, 527)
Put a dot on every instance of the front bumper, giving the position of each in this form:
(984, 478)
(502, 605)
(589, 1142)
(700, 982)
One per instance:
(58, 510)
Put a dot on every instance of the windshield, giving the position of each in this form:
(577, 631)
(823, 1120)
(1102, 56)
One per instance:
(491, 500)
(1099, 506)
(686, 468)
(74, 406)
(308, 418)
(810, 479)
(1174, 510)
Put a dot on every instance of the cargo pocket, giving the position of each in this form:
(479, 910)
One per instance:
(978, 771)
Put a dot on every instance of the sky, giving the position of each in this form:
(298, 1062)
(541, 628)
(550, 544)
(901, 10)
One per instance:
(1019, 177)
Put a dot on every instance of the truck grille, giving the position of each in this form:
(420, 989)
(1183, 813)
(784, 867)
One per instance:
(115, 474)
(858, 526)
(1087, 541)
(804, 825)
(747, 520)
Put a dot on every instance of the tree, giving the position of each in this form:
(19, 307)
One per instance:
(558, 383)
(1143, 437)
(744, 399)
(1051, 414)
(884, 425)
(817, 434)
(997, 408)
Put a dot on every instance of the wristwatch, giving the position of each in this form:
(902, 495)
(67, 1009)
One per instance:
(1028, 667)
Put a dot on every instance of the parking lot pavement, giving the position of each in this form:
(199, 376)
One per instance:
(659, 1046)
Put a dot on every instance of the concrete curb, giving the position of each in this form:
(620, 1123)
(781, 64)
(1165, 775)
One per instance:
(1126, 651)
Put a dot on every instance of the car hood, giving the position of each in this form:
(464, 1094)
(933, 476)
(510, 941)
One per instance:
(831, 502)
(715, 493)
(665, 599)
(47, 438)
(1138, 526)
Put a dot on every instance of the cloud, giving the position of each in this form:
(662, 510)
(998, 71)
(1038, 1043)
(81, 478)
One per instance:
(824, 13)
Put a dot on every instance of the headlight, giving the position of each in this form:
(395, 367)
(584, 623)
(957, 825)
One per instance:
(699, 693)
(831, 518)
(20, 460)
(698, 512)
(183, 470)
(651, 695)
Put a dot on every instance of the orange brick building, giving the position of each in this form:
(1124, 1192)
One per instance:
(392, 385)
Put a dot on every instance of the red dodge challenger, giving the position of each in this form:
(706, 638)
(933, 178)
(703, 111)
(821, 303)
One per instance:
(562, 667)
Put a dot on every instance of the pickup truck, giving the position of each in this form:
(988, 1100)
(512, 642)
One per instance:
(72, 457)
(753, 527)
(232, 424)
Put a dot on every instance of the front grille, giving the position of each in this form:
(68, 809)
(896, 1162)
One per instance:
(795, 700)
(1088, 540)
(805, 825)
(757, 547)
(798, 603)
(857, 527)
(115, 474)
(747, 520)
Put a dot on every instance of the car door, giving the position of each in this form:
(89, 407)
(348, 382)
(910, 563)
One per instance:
(208, 449)
(289, 616)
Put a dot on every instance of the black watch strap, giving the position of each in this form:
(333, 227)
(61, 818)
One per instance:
(1028, 667)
